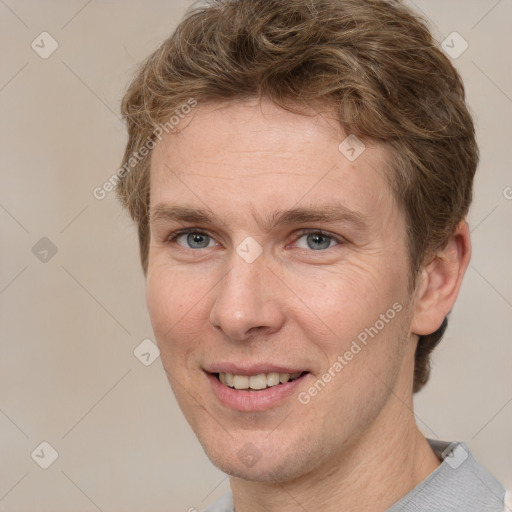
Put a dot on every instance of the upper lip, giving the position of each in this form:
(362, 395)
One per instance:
(252, 369)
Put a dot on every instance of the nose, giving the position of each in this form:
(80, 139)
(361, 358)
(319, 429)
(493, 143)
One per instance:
(247, 301)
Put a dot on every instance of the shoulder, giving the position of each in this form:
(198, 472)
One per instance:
(459, 483)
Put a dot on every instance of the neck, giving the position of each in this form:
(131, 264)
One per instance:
(375, 471)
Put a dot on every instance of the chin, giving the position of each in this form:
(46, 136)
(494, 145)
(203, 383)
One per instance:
(271, 464)
(265, 471)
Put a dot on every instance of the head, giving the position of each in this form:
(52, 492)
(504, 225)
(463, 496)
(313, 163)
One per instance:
(243, 113)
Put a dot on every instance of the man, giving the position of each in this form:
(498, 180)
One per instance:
(300, 172)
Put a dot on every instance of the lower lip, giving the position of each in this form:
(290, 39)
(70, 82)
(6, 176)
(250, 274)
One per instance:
(246, 400)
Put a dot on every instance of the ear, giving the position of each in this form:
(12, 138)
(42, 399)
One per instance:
(440, 281)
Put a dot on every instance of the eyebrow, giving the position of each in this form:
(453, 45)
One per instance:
(328, 213)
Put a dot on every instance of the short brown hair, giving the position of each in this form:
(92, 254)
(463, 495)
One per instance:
(374, 61)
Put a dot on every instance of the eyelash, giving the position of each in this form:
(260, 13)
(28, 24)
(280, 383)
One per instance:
(173, 236)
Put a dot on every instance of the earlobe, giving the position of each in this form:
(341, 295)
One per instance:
(440, 281)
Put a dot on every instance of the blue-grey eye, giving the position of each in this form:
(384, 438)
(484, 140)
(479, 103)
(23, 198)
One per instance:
(195, 240)
(317, 241)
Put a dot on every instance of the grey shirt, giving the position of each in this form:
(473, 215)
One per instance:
(459, 484)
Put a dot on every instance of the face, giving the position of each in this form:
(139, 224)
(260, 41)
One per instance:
(279, 265)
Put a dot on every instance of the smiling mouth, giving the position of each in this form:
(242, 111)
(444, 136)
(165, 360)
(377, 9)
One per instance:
(257, 382)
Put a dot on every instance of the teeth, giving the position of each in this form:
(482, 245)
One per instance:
(241, 381)
(272, 379)
(260, 381)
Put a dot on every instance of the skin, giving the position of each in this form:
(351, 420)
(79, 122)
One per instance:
(355, 444)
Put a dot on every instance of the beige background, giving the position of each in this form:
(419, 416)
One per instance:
(69, 326)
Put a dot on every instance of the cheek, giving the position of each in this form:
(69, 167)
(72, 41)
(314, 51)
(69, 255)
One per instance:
(175, 311)
(364, 310)
(342, 304)
(364, 359)
(162, 301)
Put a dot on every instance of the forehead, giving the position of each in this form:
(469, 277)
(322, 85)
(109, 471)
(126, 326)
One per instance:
(255, 156)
